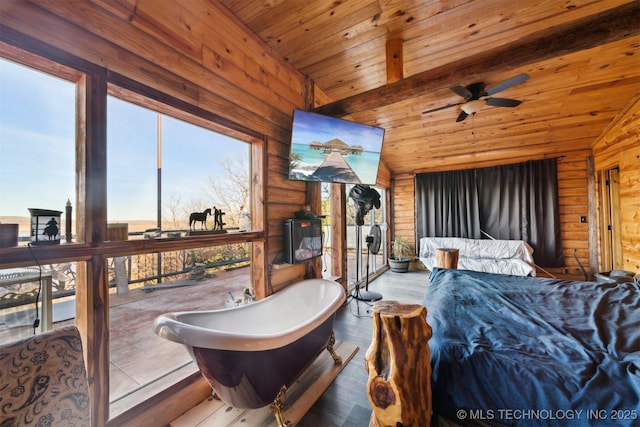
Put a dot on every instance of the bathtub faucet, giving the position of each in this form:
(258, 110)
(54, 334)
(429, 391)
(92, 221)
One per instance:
(247, 297)
(232, 301)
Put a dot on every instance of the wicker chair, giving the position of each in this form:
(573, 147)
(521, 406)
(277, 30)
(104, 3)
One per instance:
(43, 381)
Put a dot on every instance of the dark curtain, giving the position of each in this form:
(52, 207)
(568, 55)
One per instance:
(518, 201)
(447, 205)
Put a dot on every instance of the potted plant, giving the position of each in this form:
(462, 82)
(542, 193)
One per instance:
(400, 250)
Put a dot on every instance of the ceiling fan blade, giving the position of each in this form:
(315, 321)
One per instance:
(462, 91)
(502, 102)
(507, 84)
(442, 108)
(462, 116)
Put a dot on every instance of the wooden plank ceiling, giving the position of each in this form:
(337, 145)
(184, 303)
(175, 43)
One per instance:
(581, 56)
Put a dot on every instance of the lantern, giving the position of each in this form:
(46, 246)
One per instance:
(45, 226)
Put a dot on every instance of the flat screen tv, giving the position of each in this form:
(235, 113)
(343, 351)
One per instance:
(328, 149)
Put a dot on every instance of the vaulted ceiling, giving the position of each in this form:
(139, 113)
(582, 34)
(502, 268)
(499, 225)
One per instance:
(582, 59)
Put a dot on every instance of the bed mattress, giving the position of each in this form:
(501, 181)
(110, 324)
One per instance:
(491, 256)
(529, 351)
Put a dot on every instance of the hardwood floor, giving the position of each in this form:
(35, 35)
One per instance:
(345, 402)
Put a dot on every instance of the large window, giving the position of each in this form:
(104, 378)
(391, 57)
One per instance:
(162, 169)
(163, 164)
(365, 262)
(37, 144)
(37, 171)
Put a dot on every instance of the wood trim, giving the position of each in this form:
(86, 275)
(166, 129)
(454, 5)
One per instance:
(308, 92)
(394, 60)
(40, 63)
(613, 25)
(165, 406)
(36, 48)
(592, 216)
(92, 250)
(393, 196)
(22, 256)
(92, 299)
(339, 233)
(604, 264)
(259, 203)
(314, 200)
(616, 223)
(146, 96)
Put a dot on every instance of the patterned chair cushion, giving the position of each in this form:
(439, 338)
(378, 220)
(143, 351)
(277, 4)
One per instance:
(43, 381)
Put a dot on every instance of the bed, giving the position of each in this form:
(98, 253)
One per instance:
(525, 351)
(488, 255)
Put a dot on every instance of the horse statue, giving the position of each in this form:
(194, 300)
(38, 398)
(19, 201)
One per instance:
(200, 217)
(217, 216)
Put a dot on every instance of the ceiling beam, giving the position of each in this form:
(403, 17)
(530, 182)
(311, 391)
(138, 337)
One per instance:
(599, 29)
(395, 64)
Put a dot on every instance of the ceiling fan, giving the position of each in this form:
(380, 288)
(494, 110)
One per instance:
(475, 96)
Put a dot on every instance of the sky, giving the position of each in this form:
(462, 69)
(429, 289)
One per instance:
(37, 154)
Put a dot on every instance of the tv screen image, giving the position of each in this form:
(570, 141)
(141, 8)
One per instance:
(328, 149)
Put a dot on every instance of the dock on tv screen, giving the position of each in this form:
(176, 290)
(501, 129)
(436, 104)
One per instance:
(328, 149)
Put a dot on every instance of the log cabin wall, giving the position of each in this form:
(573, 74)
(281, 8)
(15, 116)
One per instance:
(194, 51)
(403, 208)
(619, 147)
(200, 56)
(574, 201)
(573, 194)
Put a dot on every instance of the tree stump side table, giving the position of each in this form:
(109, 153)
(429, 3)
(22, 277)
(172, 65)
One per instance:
(447, 258)
(399, 367)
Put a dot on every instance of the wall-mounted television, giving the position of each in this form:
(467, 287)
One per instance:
(328, 149)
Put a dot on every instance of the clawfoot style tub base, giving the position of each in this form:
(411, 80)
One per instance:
(332, 340)
(277, 407)
(301, 395)
(253, 379)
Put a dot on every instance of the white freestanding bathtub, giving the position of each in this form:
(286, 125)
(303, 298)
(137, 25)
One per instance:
(248, 353)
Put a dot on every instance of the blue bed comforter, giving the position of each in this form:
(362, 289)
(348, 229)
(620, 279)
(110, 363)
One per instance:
(532, 352)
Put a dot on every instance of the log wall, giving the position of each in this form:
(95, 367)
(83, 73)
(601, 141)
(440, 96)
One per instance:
(194, 55)
(574, 199)
(618, 147)
(195, 51)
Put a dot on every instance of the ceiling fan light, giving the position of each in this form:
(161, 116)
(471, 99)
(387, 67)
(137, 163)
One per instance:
(472, 107)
